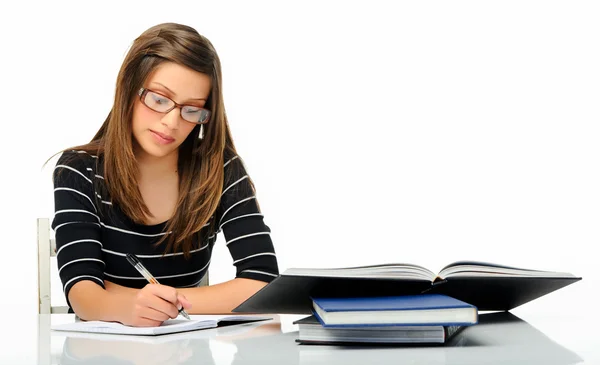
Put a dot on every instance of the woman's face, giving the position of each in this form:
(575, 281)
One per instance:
(156, 134)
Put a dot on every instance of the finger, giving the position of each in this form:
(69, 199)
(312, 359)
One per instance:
(161, 305)
(185, 303)
(167, 293)
(145, 322)
(153, 315)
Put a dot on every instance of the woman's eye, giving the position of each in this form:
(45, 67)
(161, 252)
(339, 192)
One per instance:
(191, 110)
(159, 100)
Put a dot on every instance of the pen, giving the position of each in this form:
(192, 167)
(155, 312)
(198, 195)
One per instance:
(133, 260)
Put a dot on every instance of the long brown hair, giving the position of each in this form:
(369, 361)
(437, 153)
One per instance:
(200, 164)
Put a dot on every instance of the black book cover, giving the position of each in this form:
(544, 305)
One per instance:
(289, 294)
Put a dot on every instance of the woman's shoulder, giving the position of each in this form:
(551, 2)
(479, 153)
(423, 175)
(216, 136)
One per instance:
(77, 159)
(229, 155)
(234, 166)
(75, 165)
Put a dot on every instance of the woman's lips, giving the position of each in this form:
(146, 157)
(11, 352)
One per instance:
(162, 138)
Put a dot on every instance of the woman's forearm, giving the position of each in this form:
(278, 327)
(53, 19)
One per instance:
(91, 302)
(221, 298)
(213, 299)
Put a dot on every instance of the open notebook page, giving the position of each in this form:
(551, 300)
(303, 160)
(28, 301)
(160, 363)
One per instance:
(169, 326)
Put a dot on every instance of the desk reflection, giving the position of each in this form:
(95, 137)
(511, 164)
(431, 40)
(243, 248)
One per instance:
(498, 338)
(182, 348)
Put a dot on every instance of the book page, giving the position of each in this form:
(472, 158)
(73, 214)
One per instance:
(476, 268)
(392, 271)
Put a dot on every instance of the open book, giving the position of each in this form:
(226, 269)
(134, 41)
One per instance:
(168, 326)
(485, 285)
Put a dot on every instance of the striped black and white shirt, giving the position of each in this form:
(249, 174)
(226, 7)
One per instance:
(93, 235)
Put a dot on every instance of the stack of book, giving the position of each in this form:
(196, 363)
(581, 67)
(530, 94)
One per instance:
(407, 319)
(379, 317)
(488, 286)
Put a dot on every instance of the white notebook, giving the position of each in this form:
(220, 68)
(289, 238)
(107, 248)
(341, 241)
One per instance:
(169, 326)
(220, 331)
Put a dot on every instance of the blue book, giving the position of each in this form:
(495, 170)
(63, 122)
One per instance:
(405, 310)
(310, 331)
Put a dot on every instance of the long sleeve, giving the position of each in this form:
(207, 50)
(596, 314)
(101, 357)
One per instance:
(76, 222)
(247, 236)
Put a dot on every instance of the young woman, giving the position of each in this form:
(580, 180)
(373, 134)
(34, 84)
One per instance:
(160, 179)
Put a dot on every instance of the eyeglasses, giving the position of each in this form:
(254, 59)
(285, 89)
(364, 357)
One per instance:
(162, 104)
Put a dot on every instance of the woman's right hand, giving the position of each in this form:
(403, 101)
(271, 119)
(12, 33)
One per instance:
(154, 304)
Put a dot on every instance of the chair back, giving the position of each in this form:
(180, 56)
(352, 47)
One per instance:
(46, 248)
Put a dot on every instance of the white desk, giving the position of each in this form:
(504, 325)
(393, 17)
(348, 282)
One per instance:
(508, 341)
(562, 328)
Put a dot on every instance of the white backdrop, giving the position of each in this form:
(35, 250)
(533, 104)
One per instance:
(421, 132)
